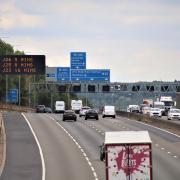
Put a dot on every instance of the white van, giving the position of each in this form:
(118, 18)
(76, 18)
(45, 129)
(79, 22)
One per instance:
(59, 107)
(109, 111)
(76, 105)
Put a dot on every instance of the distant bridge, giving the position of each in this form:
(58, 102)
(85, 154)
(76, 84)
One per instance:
(156, 87)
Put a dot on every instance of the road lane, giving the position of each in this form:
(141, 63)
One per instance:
(22, 155)
(88, 139)
(63, 159)
(169, 165)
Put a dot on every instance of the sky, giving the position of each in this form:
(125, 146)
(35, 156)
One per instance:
(139, 40)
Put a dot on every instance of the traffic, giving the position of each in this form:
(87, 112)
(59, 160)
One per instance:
(162, 107)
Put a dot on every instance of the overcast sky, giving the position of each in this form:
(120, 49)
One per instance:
(139, 40)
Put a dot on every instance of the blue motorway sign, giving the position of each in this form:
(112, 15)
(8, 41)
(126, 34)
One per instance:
(50, 75)
(95, 75)
(78, 75)
(63, 74)
(78, 60)
(98, 75)
(13, 95)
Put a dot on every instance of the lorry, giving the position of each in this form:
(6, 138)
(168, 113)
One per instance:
(160, 105)
(59, 107)
(168, 102)
(128, 155)
(148, 102)
(76, 105)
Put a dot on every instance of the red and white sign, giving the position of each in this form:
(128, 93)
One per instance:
(129, 162)
(128, 155)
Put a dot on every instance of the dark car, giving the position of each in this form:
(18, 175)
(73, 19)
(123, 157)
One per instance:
(40, 109)
(91, 114)
(69, 115)
(48, 110)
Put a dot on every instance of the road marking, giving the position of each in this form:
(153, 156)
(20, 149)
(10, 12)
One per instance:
(84, 154)
(152, 127)
(175, 156)
(162, 148)
(169, 152)
(39, 147)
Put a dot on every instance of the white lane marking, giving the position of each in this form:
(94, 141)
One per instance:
(169, 152)
(162, 148)
(175, 156)
(154, 127)
(84, 154)
(39, 147)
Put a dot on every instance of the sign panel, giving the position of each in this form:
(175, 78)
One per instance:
(51, 74)
(98, 75)
(78, 75)
(63, 74)
(90, 75)
(129, 162)
(78, 60)
(22, 64)
(13, 95)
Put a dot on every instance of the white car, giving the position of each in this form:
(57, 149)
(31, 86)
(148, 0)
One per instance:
(173, 114)
(155, 112)
(83, 110)
(146, 110)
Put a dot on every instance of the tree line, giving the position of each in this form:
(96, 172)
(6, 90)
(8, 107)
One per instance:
(35, 97)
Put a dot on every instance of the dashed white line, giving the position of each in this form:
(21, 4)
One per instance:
(84, 154)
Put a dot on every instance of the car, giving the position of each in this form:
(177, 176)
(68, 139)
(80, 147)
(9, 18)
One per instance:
(133, 108)
(146, 110)
(155, 112)
(91, 114)
(40, 109)
(83, 110)
(69, 115)
(48, 110)
(109, 111)
(173, 114)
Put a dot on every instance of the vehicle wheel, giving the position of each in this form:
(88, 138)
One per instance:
(63, 119)
(114, 117)
(97, 118)
(103, 116)
(79, 115)
(85, 118)
(75, 119)
(102, 156)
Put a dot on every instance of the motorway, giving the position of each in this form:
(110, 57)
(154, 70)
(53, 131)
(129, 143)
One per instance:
(71, 149)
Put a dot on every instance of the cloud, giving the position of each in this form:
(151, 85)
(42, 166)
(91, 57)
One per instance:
(12, 18)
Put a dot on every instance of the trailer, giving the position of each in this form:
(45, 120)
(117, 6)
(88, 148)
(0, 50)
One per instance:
(128, 155)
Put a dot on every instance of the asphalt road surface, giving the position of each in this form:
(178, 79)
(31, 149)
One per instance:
(71, 149)
(22, 155)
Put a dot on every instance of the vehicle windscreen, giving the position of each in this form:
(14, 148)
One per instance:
(169, 103)
(69, 112)
(159, 106)
(175, 111)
